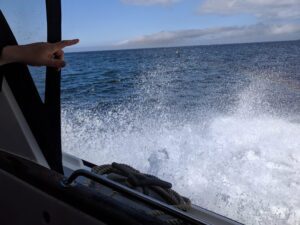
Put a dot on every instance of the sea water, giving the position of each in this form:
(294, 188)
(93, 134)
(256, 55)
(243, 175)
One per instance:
(222, 123)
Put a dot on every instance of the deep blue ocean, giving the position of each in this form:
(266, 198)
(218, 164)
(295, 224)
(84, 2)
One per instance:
(222, 123)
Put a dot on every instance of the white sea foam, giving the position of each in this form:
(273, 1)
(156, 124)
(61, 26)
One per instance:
(244, 164)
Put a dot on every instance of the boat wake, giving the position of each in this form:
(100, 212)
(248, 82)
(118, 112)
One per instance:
(244, 164)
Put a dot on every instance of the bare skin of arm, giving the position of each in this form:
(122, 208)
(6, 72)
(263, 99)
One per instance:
(37, 54)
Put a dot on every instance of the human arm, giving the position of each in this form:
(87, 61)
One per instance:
(37, 54)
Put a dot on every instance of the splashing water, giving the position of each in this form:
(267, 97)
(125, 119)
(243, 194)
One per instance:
(236, 153)
(244, 166)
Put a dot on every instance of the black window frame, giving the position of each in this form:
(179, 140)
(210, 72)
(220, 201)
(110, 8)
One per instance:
(43, 118)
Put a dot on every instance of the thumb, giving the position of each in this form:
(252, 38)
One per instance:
(56, 63)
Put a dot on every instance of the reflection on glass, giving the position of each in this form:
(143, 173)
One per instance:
(27, 20)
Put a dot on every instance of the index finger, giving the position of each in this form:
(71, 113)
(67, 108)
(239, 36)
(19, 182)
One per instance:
(65, 43)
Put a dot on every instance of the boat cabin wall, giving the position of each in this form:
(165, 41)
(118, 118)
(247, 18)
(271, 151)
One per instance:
(15, 134)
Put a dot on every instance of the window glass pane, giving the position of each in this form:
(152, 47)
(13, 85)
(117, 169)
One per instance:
(27, 19)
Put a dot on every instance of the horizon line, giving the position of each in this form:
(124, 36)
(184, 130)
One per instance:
(176, 46)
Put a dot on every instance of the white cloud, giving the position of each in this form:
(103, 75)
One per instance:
(277, 21)
(150, 2)
(262, 9)
(234, 34)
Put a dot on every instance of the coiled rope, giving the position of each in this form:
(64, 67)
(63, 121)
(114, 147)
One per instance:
(147, 184)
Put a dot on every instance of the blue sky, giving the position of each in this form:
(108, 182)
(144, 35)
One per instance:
(117, 24)
(111, 21)
(121, 24)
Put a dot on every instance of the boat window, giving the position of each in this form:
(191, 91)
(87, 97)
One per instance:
(28, 22)
(183, 91)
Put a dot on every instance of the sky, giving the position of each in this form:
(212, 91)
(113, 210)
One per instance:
(123, 24)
